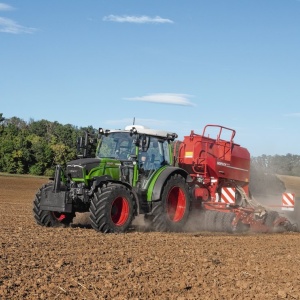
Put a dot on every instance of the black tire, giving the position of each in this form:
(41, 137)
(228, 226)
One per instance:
(112, 208)
(50, 218)
(172, 211)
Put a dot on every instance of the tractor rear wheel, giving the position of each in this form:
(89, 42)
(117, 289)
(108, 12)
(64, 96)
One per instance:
(50, 218)
(112, 208)
(172, 211)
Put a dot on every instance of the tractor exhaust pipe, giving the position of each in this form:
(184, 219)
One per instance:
(56, 186)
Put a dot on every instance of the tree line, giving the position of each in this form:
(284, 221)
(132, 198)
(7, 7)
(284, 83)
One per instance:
(36, 147)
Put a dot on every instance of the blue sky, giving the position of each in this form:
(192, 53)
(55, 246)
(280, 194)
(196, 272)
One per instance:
(175, 65)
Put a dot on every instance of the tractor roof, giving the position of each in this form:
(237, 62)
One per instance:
(145, 130)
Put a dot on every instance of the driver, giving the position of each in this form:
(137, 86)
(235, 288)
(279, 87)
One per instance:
(144, 160)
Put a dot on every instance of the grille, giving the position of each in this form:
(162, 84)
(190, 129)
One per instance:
(75, 171)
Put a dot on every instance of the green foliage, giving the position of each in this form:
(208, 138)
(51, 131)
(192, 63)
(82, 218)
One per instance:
(36, 169)
(37, 146)
(62, 154)
(49, 172)
(40, 128)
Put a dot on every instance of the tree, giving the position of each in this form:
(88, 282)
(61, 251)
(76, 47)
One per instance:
(42, 155)
(62, 154)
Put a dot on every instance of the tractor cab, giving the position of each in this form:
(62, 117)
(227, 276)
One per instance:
(140, 151)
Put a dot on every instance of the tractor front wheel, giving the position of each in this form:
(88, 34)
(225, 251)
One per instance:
(172, 211)
(50, 218)
(112, 208)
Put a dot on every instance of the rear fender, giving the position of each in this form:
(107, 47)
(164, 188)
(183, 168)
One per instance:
(155, 188)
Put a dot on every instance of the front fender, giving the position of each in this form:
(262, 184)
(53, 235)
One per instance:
(107, 178)
(97, 180)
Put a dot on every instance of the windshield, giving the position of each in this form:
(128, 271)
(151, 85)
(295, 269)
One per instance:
(121, 145)
(117, 145)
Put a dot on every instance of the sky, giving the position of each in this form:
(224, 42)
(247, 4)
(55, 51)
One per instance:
(174, 65)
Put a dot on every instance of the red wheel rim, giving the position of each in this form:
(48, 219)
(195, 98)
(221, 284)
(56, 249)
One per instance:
(176, 204)
(58, 216)
(120, 211)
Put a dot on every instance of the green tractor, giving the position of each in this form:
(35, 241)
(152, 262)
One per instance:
(131, 174)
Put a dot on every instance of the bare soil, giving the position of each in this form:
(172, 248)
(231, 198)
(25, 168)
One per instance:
(80, 263)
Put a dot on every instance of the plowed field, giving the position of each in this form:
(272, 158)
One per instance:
(80, 263)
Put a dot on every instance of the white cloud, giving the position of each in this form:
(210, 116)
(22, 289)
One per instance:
(10, 26)
(4, 6)
(165, 98)
(136, 19)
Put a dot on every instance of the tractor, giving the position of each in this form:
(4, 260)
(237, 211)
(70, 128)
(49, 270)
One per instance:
(132, 173)
(142, 171)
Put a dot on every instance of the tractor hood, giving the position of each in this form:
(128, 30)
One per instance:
(75, 167)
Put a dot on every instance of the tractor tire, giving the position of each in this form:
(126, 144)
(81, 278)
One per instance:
(172, 211)
(50, 218)
(112, 208)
